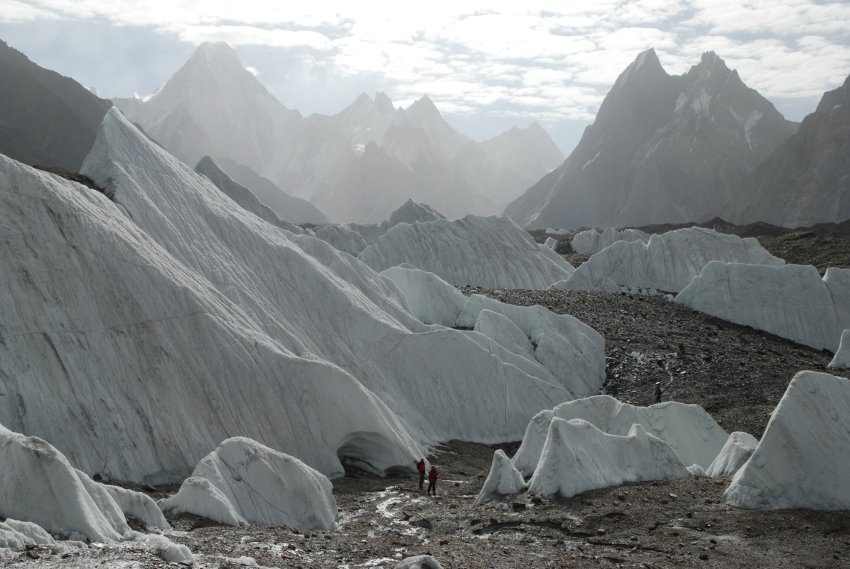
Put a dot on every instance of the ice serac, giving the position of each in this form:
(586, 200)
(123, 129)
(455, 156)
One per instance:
(342, 237)
(802, 456)
(18, 535)
(662, 149)
(251, 483)
(666, 262)
(737, 450)
(591, 241)
(503, 480)
(842, 356)
(411, 212)
(692, 434)
(492, 252)
(41, 486)
(555, 347)
(806, 180)
(791, 301)
(138, 335)
(45, 118)
(577, 457)
(240, 194)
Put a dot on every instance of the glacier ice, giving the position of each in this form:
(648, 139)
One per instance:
(737, 450)
(591, 241)
(842, 356)
(791, 301)
(503, 480)
(243, 482)
(802, 459)
(666, 262)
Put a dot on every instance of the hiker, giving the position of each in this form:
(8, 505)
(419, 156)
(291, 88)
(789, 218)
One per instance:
(658, 392)
(420, 466)
(432, 480)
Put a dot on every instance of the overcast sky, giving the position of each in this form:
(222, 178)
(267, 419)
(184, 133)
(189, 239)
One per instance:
(487, 65)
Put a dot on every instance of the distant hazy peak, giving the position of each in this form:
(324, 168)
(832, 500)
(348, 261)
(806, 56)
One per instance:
(646, 64)
(383, 103)
(218, 53)
(424, 108)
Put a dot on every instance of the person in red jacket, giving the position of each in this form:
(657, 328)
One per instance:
(420, 466)
(432, 480)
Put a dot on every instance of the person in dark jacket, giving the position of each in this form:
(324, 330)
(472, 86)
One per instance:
(432, 480)
(420, 466)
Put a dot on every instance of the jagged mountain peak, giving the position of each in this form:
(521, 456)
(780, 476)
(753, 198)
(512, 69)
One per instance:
(646, 67)
(383, 103)
(424, 107)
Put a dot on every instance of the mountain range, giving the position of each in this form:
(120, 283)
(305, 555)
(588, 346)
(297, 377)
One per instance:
(358, 165)
(663, 149)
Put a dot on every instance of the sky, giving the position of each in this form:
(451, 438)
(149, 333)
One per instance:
(487, 65)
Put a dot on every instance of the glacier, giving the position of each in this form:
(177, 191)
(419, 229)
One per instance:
(691, 433)
(802, 458)
(137, 335)
(503, 480)
(243, 482)
(591, 241)
(491, 252)
(842, 356)
(664, 263)
(791, 301)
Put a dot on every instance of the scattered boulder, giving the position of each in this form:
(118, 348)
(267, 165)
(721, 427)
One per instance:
(802, 458)
(737, 450)
(419, 562)
(243, 481)
(504, 479)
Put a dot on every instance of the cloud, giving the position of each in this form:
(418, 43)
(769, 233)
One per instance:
(535, 58)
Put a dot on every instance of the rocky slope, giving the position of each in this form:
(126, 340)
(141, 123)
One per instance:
(807, 179)
(45, 118)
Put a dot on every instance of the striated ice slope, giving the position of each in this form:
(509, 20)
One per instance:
(791, 301)
(802, 458)
(137, 335)
(691, 433)
(503, 480)
(592, 241)
(577, 457)
(244, 482)
(342, 237)
(666, 262)
(492, 252)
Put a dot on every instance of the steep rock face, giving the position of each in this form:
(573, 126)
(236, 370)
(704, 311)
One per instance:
(240, 194)
(807, 179)
(287, 207)
(663, 149)
(45, 118)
